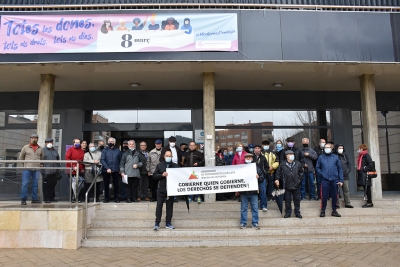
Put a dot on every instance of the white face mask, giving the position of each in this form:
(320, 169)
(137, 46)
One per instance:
(49, 145)
(291, 157)
(340, 151)
(172, 144)
(359, 151)
(239, 149)
(328, 150)
(247, 161)
(322, 145)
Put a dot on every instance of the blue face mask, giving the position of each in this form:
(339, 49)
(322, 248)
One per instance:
(77, 145)
(278, 147)
(168, 159)
(230, 153)
(225, 153)
(251, 149)
(266, 147)
(92, 149)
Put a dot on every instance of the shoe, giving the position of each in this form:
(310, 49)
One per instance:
(287, 215)
(79, 200)
(117, 200)
(299, 216)
(153, 200)
(335, 214)
(169, 226)
(138, 199)
(128, 200)
(317, 199)
(23, 202)
(147, 199)
(303, 198)
(97, 199)
(264, 209)
(368, 205)
(156, 227)
(176, 200)
(349, 206)
(322, 214)
(106, 201)
(190, 200)
(239, 200)
(47, 201)
(242, 226)
(35, 201)
(313, 198)
(255, 226)
(54, 201)
(198, 200)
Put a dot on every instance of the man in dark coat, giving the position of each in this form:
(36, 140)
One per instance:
(346, 166)
(50, 176)
(319, 150)
(296, 152)
(161, 174)
(176, 152)
(288, 176)
(262, 164)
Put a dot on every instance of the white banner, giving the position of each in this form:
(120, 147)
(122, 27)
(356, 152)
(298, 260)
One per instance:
(209, 180)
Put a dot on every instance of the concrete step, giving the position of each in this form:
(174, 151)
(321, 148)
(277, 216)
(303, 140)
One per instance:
(235, 231)
(208, 222)
(272, 212)
(237, 241)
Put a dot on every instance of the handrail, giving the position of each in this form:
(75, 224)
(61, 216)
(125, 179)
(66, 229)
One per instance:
(124, 6)
(86, 201)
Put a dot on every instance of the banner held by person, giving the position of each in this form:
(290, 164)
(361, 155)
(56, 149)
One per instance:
(209, 180)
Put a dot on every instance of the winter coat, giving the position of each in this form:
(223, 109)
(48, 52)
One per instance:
(260, 179)
(329, 167)
(143, 169)
(239, 159)
(91, 157)
(27, 153)
(219, 159)
(178, 153)
(228, 159)
(130, 158)
(289, 178)
(157, 175)
(272, 159)
(193, 157)
(50, 154)
(261, 163)
(346, 166)
(366, 166)
(297, 155)
(310, 159)
(75, 154)
(110, 159)
(153, 160)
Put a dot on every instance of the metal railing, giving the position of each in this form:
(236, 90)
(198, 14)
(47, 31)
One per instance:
(85, 215)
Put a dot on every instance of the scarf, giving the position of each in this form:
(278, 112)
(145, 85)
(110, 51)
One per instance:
(359, 158)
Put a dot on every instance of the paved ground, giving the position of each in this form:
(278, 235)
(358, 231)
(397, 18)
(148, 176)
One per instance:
(311, 255)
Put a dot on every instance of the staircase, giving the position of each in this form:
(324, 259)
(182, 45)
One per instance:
(217, 224)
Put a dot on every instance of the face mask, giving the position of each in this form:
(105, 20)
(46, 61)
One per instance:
(291, 157)
(92, 149)
(230, 152)
(290, 144)
(251, 149)
(278, 145)
(305, 145)
(328, 150)
(172, 144)
(34, 142)
(49, 145)
(359, 151)
(132, 148)
(247, 161)
(340, 151)
(77, 145)
(125, 147)
(168, 159)
(225, 153)
(266, 147)
(110, 144)
(239, 149)
(101, 147)
(322, 145)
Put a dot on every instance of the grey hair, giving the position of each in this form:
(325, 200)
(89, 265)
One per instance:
(132, 141)
(91, 144)
(112, 139)
(305, 138)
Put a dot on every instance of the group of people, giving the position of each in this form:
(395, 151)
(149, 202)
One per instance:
(135, 171)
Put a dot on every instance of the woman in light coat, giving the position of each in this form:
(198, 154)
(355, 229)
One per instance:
(93, 156)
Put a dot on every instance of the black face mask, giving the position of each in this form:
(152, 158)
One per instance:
(125, 148)
(110, 144)
(101, 147)
(305, 145)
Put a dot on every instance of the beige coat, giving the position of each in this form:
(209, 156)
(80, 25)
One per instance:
(88, 167)
(27, 153)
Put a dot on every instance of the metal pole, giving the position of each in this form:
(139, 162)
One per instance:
(384, 113)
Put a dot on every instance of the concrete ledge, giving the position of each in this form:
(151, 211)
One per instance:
(43, 226)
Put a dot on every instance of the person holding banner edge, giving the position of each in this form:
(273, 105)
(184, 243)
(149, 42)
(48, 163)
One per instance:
(161, 174)
(250, 196)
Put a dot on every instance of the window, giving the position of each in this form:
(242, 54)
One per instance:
(216, 137)
(237, 135)
(230, 136)
(244, 133)
(28, 118)
(223, 144)
(223, 137)
(230, 143)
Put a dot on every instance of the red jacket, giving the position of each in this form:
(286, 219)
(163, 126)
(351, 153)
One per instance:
(75, 154)
(238, 159)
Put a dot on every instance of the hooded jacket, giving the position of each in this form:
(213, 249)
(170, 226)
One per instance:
(344, 159)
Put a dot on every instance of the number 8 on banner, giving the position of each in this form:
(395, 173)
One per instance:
(126, 40)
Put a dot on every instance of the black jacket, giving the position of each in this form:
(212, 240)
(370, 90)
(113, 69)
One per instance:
(346, 166)
(193, 157)
(261, 163)
(366, 166)
(319, 152)
(297, 155)
(289, 179)
(167, 148)
(260, 180)
(157, 175)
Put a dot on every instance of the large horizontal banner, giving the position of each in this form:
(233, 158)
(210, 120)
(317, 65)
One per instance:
(208, 180)
(118, 33)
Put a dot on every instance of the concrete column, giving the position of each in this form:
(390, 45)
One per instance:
(45, 108)
(209, 124)
(370, 128)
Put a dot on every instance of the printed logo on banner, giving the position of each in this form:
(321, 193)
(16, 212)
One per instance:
(193, 176)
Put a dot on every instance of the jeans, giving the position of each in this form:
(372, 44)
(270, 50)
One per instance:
(245, 199)
(311, 187)
(270, 184)
(263, 194)
(27, 175)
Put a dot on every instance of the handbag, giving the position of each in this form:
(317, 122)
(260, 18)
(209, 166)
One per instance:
(372, 173)
(95, 168)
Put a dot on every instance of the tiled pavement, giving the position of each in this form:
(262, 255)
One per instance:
(307, 255)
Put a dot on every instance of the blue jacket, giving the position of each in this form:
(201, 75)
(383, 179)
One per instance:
(228, 159)
(110, 159)
(330, 167)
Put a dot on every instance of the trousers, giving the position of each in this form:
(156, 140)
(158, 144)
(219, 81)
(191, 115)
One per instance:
(170, 207)
(329, 188)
